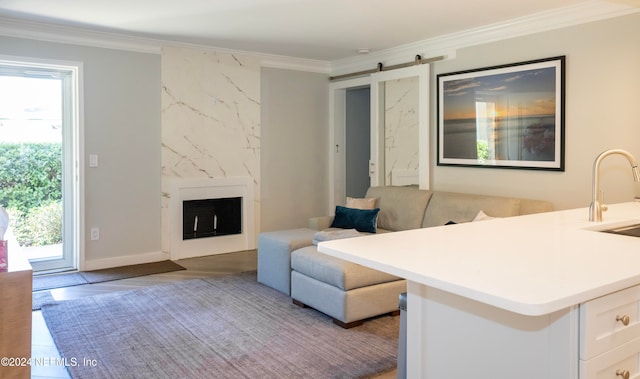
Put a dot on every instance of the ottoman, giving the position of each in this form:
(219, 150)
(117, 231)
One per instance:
(274, 256)
(345, 291)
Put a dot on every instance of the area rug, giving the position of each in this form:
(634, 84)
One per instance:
(46, 282)
(39, 298)
(226, 327)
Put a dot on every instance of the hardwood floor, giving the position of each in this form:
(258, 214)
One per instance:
(46, 354)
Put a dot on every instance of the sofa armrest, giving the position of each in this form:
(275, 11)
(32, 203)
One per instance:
(320, 223)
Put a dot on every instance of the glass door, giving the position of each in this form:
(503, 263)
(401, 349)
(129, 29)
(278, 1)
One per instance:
(38, 177)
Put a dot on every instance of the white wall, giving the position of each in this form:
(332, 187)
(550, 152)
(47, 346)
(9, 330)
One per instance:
(122, 126)
(602, 112)
(294, 157)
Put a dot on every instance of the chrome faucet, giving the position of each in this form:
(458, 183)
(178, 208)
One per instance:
(597, 207)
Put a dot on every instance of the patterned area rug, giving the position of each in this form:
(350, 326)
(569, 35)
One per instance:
(45, 282)
(227, 327)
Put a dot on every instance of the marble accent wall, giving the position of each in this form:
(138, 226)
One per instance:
(401, 145)
(210, 120)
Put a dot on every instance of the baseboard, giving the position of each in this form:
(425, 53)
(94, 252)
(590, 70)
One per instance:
(124, 260)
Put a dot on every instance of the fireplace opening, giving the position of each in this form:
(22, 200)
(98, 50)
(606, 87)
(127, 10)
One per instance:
(211, 217)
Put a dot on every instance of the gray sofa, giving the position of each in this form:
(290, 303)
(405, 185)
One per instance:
(350, 293)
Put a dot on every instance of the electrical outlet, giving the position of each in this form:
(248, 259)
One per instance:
(95, 234)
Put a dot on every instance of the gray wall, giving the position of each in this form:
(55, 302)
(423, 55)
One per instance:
(602, 112)
(122, 126)
(357, 141)
(294, 146)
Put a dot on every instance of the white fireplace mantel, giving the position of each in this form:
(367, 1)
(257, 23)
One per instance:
(184, 189)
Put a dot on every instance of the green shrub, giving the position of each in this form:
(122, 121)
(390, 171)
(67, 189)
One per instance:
(31, 190)
(483, 150)
(40, 227)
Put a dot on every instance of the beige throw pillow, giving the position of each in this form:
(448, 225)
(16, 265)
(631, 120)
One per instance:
(364, 203)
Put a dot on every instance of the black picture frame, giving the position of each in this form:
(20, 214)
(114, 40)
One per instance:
(508, 116)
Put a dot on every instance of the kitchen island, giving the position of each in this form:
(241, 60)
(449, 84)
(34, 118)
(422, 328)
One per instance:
(539, 296)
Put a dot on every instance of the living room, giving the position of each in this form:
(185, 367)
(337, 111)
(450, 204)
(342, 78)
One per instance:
(280, 137)
(125, 124)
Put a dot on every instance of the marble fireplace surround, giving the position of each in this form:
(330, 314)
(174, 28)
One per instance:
(211, 188)
(211, 132)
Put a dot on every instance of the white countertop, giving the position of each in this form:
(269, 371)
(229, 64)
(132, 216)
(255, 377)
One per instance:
(532, 265)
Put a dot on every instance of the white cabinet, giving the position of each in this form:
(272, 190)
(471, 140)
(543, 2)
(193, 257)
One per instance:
(609, 336)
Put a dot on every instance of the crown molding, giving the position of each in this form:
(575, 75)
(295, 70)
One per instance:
(297, 64)
(10, 27)
(266, 60)
(79, 36)
(447, 45)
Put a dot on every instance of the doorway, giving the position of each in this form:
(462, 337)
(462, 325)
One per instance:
(39, 150)
(357, 141)
(389, 163)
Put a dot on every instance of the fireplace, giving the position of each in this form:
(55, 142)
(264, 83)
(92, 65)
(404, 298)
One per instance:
(211, 216)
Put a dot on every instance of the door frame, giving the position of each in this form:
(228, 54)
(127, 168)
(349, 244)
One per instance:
(337, 138)
(73, 151)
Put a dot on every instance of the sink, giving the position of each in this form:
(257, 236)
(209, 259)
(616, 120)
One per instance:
(629, 230)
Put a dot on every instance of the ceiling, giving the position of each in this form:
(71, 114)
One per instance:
(325, 30)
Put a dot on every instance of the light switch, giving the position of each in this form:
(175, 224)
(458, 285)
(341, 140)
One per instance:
(93, 160)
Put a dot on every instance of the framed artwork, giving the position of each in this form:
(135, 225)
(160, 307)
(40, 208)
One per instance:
(509, 116)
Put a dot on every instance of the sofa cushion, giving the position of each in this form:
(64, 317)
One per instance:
(363, 220)
(401, 208)
(334, 271)
(336, 234)
(461, 207)
(365, 203)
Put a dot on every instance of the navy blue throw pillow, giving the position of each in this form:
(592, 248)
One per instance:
(362, 220)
